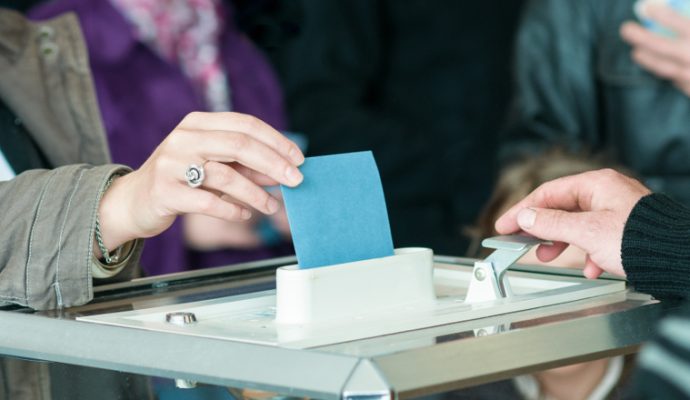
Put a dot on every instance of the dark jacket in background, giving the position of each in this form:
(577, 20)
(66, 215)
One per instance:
(577, 86)
(421, 83)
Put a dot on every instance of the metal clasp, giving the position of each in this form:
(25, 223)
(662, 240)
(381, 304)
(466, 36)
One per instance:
(488, 276)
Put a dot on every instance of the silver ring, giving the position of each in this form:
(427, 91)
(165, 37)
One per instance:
(195, 175)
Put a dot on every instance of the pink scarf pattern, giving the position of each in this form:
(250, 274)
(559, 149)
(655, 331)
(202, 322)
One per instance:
(187, 33)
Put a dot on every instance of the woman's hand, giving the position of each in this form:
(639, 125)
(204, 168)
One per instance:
(668, 58)
(239, 154)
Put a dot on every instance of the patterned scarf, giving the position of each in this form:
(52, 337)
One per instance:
(185, 32)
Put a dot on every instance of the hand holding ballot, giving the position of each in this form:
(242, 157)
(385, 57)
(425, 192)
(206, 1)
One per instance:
(237, 153)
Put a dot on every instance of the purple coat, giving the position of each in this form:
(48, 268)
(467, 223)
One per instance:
(142, 98)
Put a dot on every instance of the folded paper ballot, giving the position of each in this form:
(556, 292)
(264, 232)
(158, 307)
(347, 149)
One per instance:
(338, 214)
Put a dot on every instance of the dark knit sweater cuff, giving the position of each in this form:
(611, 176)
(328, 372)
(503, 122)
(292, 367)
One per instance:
(656, 247)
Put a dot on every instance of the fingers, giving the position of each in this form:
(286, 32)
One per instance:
(195, 201)
(242, 148)
(248, 125)
(225, 179)
(268, 156)
(581, 229)
(591, 270)
(659, 66)
(207, 233)
(663, 56)
(239, 153)
(549, 253)
(668, 58)
(588, 210)
(669, 18)
(569, 193)
(582, 192)
(660, 46)
(256, 177)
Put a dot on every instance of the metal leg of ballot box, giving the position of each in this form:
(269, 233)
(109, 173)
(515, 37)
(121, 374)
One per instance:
(367, 383)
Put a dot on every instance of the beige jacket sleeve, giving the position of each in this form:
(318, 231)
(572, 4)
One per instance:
(46, 247)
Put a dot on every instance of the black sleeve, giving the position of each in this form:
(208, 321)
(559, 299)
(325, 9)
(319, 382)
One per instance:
(656, 247)
(555, 97)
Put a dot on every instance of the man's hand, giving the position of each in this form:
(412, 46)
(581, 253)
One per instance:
(588, 210)
(668, 58)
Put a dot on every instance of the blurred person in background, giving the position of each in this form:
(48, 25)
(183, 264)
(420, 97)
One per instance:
(423, 84)
(590, 78)
(155, 61)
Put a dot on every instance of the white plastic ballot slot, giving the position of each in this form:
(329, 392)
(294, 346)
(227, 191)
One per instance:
(307, 296)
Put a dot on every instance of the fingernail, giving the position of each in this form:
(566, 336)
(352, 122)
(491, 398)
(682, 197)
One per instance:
(293, 175)
(296, 156)
(272, 205)
(526, 218)
(246, 214)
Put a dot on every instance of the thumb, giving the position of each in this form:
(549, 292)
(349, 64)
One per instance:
(556, 225)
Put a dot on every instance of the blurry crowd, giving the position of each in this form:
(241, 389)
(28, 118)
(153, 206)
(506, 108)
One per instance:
(467, 106)
(449, 95)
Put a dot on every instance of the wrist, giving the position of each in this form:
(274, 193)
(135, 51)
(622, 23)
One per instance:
(114, 218)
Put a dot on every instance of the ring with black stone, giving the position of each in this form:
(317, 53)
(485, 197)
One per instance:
(195, 175)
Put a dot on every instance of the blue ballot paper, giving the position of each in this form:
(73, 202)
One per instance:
(338, 214)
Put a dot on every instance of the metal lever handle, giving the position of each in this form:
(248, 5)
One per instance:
(487, 282)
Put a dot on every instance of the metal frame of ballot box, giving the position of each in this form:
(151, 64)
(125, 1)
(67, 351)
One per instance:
(401, 365)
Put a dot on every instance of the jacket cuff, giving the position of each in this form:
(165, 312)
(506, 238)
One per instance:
(656, 247)
(131, 250)
(70, 266)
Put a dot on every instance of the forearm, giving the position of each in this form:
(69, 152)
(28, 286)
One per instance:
(656, 247)
(48, 222)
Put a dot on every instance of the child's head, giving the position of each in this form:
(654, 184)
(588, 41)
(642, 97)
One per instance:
(520, 179)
